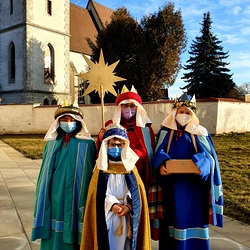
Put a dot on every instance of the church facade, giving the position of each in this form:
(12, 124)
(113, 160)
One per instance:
(41, 46)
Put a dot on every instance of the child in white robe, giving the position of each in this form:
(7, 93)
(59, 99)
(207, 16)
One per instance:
(116, 215)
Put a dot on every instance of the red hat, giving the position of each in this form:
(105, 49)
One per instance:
(128, 95)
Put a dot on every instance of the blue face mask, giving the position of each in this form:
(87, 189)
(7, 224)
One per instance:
(68, 127)
(115, 152)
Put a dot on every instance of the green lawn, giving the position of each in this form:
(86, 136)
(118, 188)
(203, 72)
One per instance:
(234, 158)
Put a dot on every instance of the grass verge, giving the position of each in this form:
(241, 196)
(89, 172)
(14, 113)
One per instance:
(233, 154)
(234, 158)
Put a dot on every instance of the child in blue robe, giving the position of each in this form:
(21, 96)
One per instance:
(190, 201)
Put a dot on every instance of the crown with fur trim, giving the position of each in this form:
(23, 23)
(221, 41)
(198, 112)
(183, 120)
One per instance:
(126, 94)
(67, 108)
(115, 130)
(185, 101)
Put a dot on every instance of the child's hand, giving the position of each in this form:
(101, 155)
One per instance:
(116, 208)
(101, 133)
(125, 211)
(120, 210)
(163, 170)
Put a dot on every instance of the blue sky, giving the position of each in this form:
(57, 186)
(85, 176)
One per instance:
(231, 25)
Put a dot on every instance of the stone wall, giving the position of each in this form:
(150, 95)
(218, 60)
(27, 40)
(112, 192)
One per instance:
(218, 117)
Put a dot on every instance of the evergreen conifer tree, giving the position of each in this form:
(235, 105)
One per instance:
(208, 75)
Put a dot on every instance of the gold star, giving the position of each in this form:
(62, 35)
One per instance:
(100, 76)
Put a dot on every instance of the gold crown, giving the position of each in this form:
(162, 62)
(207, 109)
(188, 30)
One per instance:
(125, 89)
(184, 100)
(67, 108)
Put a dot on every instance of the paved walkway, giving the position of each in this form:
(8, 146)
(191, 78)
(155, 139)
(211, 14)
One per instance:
(18, 177)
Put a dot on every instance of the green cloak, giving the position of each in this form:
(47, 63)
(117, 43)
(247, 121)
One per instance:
(61, 192)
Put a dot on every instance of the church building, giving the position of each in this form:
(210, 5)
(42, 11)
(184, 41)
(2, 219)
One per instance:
(41, 47)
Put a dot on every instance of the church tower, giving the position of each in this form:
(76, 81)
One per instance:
(34, 51)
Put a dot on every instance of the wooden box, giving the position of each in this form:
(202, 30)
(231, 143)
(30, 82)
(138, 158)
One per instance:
(183, 166)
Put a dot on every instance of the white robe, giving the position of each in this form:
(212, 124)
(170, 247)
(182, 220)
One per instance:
(117, 192)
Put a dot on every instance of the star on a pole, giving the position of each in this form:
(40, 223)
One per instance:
(100, 76)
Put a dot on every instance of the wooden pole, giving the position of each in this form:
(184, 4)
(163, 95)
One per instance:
(102, 105)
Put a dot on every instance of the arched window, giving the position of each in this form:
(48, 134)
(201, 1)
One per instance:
(12, 63)
(81, 88)
(11, 7)
(49, 64)
(54, 102)
(46, 101)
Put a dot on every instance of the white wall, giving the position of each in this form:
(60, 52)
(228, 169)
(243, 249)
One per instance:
(207, 113)
(217, 117)
(235, 117)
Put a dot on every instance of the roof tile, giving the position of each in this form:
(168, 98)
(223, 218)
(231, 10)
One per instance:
(82, 27)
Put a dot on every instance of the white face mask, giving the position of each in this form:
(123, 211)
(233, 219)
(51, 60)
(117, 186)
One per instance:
(183, 119)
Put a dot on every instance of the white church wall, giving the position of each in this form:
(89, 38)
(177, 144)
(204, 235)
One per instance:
(30, 39)
(39, 41)
(80, 65)
(79, 62)
(17, 38)
(58, 18)
(44, 29)
(17, 17)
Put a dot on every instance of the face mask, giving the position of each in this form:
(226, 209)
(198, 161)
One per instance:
(115, 152)
(128, 113)
(183, 119)
(68, 127)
